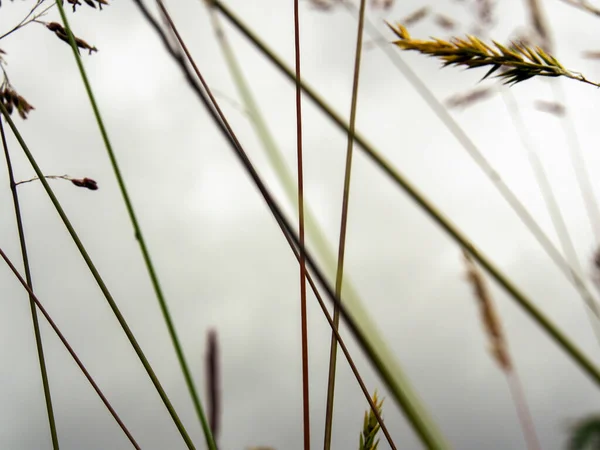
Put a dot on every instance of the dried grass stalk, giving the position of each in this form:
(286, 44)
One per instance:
(86, 182)
(522, 62)
(489, 318)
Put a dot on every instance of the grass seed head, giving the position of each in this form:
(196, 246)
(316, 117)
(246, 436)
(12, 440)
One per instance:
(87, 183)
(12, 100)
(555, 108)
(61, 33)
(489, 318)
(367, 439)
(416, 16)
(463, 100)
(444, 22)
(520, 61)
(90, 3)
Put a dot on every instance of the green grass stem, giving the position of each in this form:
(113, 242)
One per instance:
(279, 166)
(99, 280)
(397, 383)
(142, 243)
(552, 206)
(339, 276)
(28, 277)
(460, 135)
(64, 341)
(538, 317)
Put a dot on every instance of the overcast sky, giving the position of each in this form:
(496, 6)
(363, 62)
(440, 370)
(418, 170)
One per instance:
(223, 262)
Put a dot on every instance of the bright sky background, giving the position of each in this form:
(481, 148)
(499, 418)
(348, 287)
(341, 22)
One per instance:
(223, 263)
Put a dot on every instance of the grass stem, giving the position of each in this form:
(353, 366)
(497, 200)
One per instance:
(64, 341)
(300, 165)
(142, 242)
(34, 318)
(538, 317)
(473, 151)
(391, 373)
(107, 295)
(343, 227)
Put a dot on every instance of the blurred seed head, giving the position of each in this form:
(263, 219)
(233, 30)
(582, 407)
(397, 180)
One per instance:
(12, 100)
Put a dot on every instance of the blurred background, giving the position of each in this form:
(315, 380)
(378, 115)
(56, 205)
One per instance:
(222, 260)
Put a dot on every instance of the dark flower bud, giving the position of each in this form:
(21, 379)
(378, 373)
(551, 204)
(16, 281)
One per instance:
(56, 27)
(87, 183)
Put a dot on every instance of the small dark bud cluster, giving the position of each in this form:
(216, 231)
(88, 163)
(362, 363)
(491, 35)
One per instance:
(91, 3)
(11, 101)
(87, 183)
(61, 33)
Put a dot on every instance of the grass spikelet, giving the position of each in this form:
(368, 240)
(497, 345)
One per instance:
(61, 33)
(382, 4)
(416, 16)
(555, 108)
(90, 3)
(75, 4)
(322, 5)
(491, 321)
(522, 62)
(11, 100)
(485, 11)
(591, 54)
(370, 427)
(465, 99)
(444, 22)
